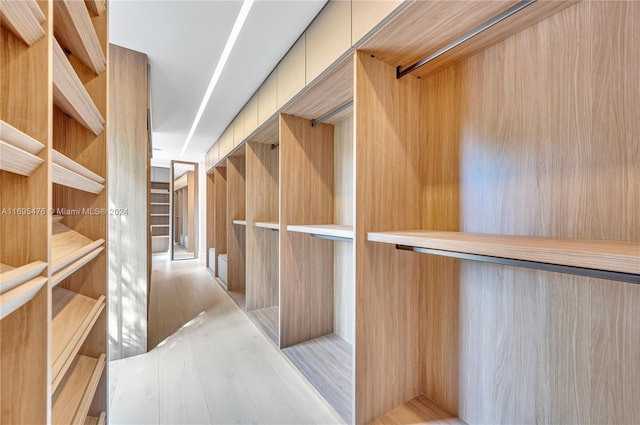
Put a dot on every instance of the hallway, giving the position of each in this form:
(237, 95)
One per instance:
(211, 364)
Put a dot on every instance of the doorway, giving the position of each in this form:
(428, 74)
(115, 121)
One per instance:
(184, 201)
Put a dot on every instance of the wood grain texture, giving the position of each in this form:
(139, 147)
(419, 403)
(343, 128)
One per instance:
(220, 212)
(393, 288)
(128, 189)
(262, 172)
(236, 235)
(328, 37)
(75, 30)
(268, 321)
(15, 298)
(24, 19)
(268, 132)
(97, 7)
(333, 89)
(251, 115)
(327, 362)
(306, 197)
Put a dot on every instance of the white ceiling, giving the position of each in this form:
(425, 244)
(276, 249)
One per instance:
(183, 40)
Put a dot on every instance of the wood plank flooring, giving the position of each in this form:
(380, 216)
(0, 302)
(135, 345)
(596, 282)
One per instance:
(327, 362)
(266, 319)
(216, 368)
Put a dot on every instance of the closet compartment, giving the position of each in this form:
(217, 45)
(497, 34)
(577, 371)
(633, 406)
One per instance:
(263, 220)
(24, 190)
(220, 218)
(478, 157)
(237, 226)
(184, 190)
(317, 305)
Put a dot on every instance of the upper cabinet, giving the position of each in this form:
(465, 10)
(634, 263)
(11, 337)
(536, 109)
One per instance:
(268, 97)
(291, 72)
(328, 37)
(367, 14)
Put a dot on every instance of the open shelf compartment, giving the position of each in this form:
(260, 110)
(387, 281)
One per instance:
(70, 248)
(72, 400)
(73, 318)
(67, 172)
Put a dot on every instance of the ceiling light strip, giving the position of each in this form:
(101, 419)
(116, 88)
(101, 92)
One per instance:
(231, 41)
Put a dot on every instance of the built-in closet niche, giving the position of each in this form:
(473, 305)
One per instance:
(317, 295)
(236, 226)
(262, 235)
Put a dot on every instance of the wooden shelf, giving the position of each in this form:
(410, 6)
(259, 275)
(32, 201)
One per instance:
(70, 95)
(75, 31)
(329, 230)
(11, 277)
(419, 410)
(159, 215)
(69, 173)
(71, 268)
(24, 19)
(327, 363)
(96, 6)
(159, 236)
(623, 257)
(159, 225)
(69, 246)
(240, 222)
(100, 420)
(160, 191)
(73, 318)
(72, 400)
(267, 225)
(18, 150)
(160, 203)
(15, 298)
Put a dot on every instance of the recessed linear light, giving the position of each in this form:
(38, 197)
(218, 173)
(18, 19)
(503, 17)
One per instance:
(235, 32)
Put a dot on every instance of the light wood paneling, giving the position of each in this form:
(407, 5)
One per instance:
(392, 300)
(328, 37)
(268, 132)
(268, 97)
(251, 115)
(367, 14)
(236, 235)
(328, 93)
(238, 128)
(262, 172)
(327, 362)
(226, 143)
(306, 197)
(291, 72)
(128, 159)
(220, 212)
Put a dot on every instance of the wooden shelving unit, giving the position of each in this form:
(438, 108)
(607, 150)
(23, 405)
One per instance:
(24, 19)
(96, 420)
(73, 318)
(159, 214)
(239, 222)
(506, 131)
(72, 401)
(53, 276)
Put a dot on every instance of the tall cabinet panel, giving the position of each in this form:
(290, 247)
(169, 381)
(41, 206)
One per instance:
(53, 275)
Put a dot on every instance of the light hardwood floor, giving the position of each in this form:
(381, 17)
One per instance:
(212, 365)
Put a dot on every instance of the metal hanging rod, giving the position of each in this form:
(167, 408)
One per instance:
(332, 238)
(332, 113)
(580, 271)
(455, 43)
